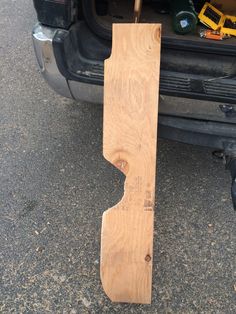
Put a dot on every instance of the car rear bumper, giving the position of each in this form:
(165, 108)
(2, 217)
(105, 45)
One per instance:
(42, 40)
(192, 121)
(43, 46)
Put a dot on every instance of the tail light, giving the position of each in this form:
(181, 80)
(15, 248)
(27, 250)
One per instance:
(55, 13)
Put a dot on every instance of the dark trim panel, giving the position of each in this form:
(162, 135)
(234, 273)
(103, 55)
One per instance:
(74, 66)
(197, 132)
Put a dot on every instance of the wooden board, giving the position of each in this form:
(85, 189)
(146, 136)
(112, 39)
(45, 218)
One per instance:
(131, 93)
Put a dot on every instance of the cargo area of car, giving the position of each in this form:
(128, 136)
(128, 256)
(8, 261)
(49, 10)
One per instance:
(105, 13)
(192, 67)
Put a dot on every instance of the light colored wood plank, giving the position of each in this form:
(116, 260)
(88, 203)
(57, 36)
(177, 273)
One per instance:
(131, 93)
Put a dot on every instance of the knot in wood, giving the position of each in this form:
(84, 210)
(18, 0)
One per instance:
(148, 258)
(122, 165)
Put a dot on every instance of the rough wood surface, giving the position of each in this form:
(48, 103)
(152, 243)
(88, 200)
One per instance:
(131, 93)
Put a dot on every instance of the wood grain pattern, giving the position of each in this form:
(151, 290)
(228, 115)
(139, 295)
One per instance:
(131, 93)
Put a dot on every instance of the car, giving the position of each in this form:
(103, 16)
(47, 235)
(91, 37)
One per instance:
(198, 75)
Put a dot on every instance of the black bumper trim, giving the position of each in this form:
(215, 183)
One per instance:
(172, 83)
(197, 132)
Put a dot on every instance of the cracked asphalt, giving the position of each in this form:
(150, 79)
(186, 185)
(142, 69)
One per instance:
(55, 185)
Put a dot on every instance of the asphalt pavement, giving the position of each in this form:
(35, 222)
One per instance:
(55, 185)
